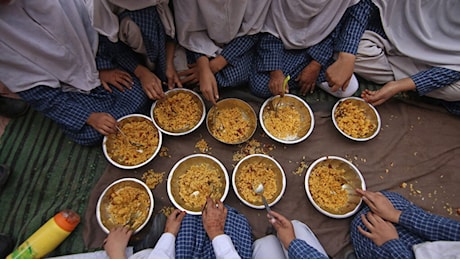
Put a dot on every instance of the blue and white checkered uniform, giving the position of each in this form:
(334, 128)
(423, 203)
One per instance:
(239, 53)
(193, 242)
(425, 81)
(70, 110)
(271, 54)
(415, 226)
(299, 249)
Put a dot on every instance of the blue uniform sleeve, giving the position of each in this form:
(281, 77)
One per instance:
(352, 26)
(116, 55)
(299, 249)
(434, 78)
(429, 226)
(233, 51)
(395, 249)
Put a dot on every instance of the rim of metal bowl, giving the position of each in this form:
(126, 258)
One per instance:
(236, 100)
(203, 114)
(130, 167)
(310, 198)
(99, 201)
(177, 164)
(379, 121)
(283, 188)
(310, 111)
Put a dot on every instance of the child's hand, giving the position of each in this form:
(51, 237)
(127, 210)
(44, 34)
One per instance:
(173, 222)
(116, 242)
(104, 123)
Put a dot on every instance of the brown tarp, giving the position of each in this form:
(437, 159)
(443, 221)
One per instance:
(417, 145)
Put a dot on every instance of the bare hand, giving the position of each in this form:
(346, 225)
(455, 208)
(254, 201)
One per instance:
(380, 231)
(283, 227)
(190, 76)
(388, 91)
(214, 216)
(173, 222)
(217, 64)
(308, 76)
(116, 242)
(380, 205)
(276, 83)
(173, 78)
(117, 78)
(339, 74)
(104, 123)
(208, 83)
(150, 83)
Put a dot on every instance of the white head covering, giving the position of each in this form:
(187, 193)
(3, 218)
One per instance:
(204, 26)
(105, 15)
(47, 42)
(424, 30)
(303, 23)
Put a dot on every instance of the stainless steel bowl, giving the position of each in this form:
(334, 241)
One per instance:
(204, 186)
(334, 187)
(118, 149)
(288, 119)
(228, 128)
(136, 213)
(357, 116)
(245, 192)
(176, 110)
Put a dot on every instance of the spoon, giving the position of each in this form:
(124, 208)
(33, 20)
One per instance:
(131, 142)
(260, 190)
(278, 102)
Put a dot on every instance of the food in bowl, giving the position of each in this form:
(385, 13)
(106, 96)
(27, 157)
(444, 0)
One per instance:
(136, 142)
(254, 170)
(231, 121)
(126, 202)
(287, 119)
(331, 184)
(193, 179)
(179, 113)
(356, 119)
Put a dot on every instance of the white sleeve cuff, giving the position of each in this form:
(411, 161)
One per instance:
(223, 247)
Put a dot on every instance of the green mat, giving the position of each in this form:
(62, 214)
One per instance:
(49, 173)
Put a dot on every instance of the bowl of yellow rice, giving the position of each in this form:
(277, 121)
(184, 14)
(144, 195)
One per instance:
(257, 169)
(180, 112)
(356, 119)
(136, 143)
(288, 119)
(125, 202)
(331, 183)
(231, 121)
(195, 177)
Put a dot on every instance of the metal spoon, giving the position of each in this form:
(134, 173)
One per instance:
(131, 142)
(260, 190)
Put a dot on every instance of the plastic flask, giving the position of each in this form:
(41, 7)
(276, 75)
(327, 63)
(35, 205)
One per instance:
(48, 236)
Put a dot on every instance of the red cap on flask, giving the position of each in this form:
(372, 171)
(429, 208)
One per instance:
(67, 220)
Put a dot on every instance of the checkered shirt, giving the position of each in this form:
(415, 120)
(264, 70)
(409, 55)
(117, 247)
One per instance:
(299, 249)
(193, 242)
(415, 226)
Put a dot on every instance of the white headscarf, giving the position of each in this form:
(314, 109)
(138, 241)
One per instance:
(47, 42)
(105, 15)
(303, 23)
(204, 26)
(424, 30)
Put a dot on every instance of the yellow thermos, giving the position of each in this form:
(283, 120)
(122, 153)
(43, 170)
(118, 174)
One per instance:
(48, 236)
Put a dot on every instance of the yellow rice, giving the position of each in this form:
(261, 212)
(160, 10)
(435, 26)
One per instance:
(352, 120)
(325, 184)
(283, 123)
(142, 132)
(230, 125)
(178, 113)
(250, 175)
(198, 182)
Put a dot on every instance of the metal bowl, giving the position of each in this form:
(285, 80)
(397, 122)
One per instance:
(190, 193)
(255, 169)
(129, 210)
(119, 150)
(356, 119)
(231, 121)
(288, 119)
(334, 179)
(179, 113)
